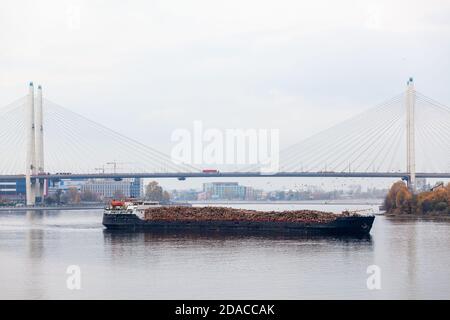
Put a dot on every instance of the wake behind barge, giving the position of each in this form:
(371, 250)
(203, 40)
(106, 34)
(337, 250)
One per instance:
(152, 216)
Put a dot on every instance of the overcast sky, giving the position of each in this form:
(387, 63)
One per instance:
(297, 66)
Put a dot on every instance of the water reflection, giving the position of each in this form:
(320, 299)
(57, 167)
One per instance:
(122, 241)
(118, 236)
(36, 248)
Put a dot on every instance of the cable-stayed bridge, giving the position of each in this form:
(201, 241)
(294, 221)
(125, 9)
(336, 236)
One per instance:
(405, 137)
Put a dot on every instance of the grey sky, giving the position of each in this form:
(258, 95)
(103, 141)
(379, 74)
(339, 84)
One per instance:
(299, 66)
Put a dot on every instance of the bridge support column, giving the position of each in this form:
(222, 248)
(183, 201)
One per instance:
(31, 156)
(410, 135)
(39, 143)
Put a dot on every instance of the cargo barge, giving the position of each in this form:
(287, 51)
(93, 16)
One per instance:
(152, 216)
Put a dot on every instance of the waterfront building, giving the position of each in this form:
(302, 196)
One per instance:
(224, 191)
(12, 189)
(65, 185)
(184, 195)
(109, 188)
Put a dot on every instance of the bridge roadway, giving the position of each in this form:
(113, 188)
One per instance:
(185, 175)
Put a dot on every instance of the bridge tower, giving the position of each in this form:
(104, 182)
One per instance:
(410, 135)
(39, 145)
(35, 145)
(31, 154)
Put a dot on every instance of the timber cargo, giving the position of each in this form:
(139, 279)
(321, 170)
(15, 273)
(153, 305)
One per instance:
(222, 219)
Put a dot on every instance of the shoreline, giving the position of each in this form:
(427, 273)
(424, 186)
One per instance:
(19, 209)
(406, 216)
(305, 202)
(370, 202)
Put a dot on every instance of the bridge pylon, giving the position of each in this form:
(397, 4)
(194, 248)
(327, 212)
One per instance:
(35, 145)
(410, 135)
(31, 160)
(39, 142)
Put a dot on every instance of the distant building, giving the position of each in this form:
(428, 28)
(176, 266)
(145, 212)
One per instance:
(109, 188)
(12, 189)
(184, 195)
(253, 194)
(225, 191)
(202, 196)
(65, 185)
(137, 188)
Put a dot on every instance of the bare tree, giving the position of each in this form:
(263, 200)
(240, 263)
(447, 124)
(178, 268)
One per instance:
(154, 192)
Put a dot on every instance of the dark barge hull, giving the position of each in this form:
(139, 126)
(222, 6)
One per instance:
(343, 225)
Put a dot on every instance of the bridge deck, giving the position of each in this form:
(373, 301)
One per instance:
(82, 176)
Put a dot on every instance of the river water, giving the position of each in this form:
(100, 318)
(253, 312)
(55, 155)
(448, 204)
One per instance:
(36, 249)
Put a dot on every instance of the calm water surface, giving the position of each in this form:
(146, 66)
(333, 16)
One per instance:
(37, 247)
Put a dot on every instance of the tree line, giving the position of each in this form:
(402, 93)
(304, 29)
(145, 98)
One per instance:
(400, 200)
(153, 192)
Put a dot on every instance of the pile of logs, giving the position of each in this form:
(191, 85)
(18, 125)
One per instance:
(179, 213)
